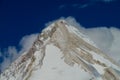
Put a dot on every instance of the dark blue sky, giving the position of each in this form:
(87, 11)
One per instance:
(22, 17)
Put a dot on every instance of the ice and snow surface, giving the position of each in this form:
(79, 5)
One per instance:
(103, 60)
(54, 68)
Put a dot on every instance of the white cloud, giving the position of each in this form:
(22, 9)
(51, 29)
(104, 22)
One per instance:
(115, 48)
(11, 53)
(27, 41)
(107, 39)
(5, 64)
(102, 36)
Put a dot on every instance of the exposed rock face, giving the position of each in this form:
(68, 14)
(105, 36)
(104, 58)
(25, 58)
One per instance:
(75, 49)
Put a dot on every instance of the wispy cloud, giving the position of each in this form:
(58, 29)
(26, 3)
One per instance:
(106, 1)
(80, 5)
(12, 53)
(62, 6)
(27, 41)
(107, 39)
(83, 5)
(86, 4)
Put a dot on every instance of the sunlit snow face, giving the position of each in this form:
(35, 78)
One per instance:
(54, 67)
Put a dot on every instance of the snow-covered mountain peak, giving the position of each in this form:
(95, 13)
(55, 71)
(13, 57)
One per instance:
(62, 52)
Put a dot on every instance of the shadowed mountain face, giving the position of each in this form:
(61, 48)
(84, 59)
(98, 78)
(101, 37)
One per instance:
(62, 52)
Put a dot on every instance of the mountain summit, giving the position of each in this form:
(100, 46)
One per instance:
(62, 52)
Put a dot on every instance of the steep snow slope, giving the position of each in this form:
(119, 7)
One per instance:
(54, 67)
(62, 52)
